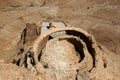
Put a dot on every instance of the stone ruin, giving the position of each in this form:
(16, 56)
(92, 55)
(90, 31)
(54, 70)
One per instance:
(60, 53)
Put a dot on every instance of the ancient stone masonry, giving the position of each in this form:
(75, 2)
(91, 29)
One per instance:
(60, 53)
(59, 39)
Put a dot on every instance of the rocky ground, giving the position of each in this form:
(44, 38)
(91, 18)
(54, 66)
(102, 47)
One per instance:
(101, 18)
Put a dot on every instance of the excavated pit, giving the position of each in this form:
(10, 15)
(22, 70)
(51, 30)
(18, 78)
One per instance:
(76, 39)
(86, 38)
(83, 53)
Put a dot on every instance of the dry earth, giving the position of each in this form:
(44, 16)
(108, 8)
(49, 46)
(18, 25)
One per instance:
(101, 18)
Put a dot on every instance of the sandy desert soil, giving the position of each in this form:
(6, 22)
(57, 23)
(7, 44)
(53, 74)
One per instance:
(101, 18)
